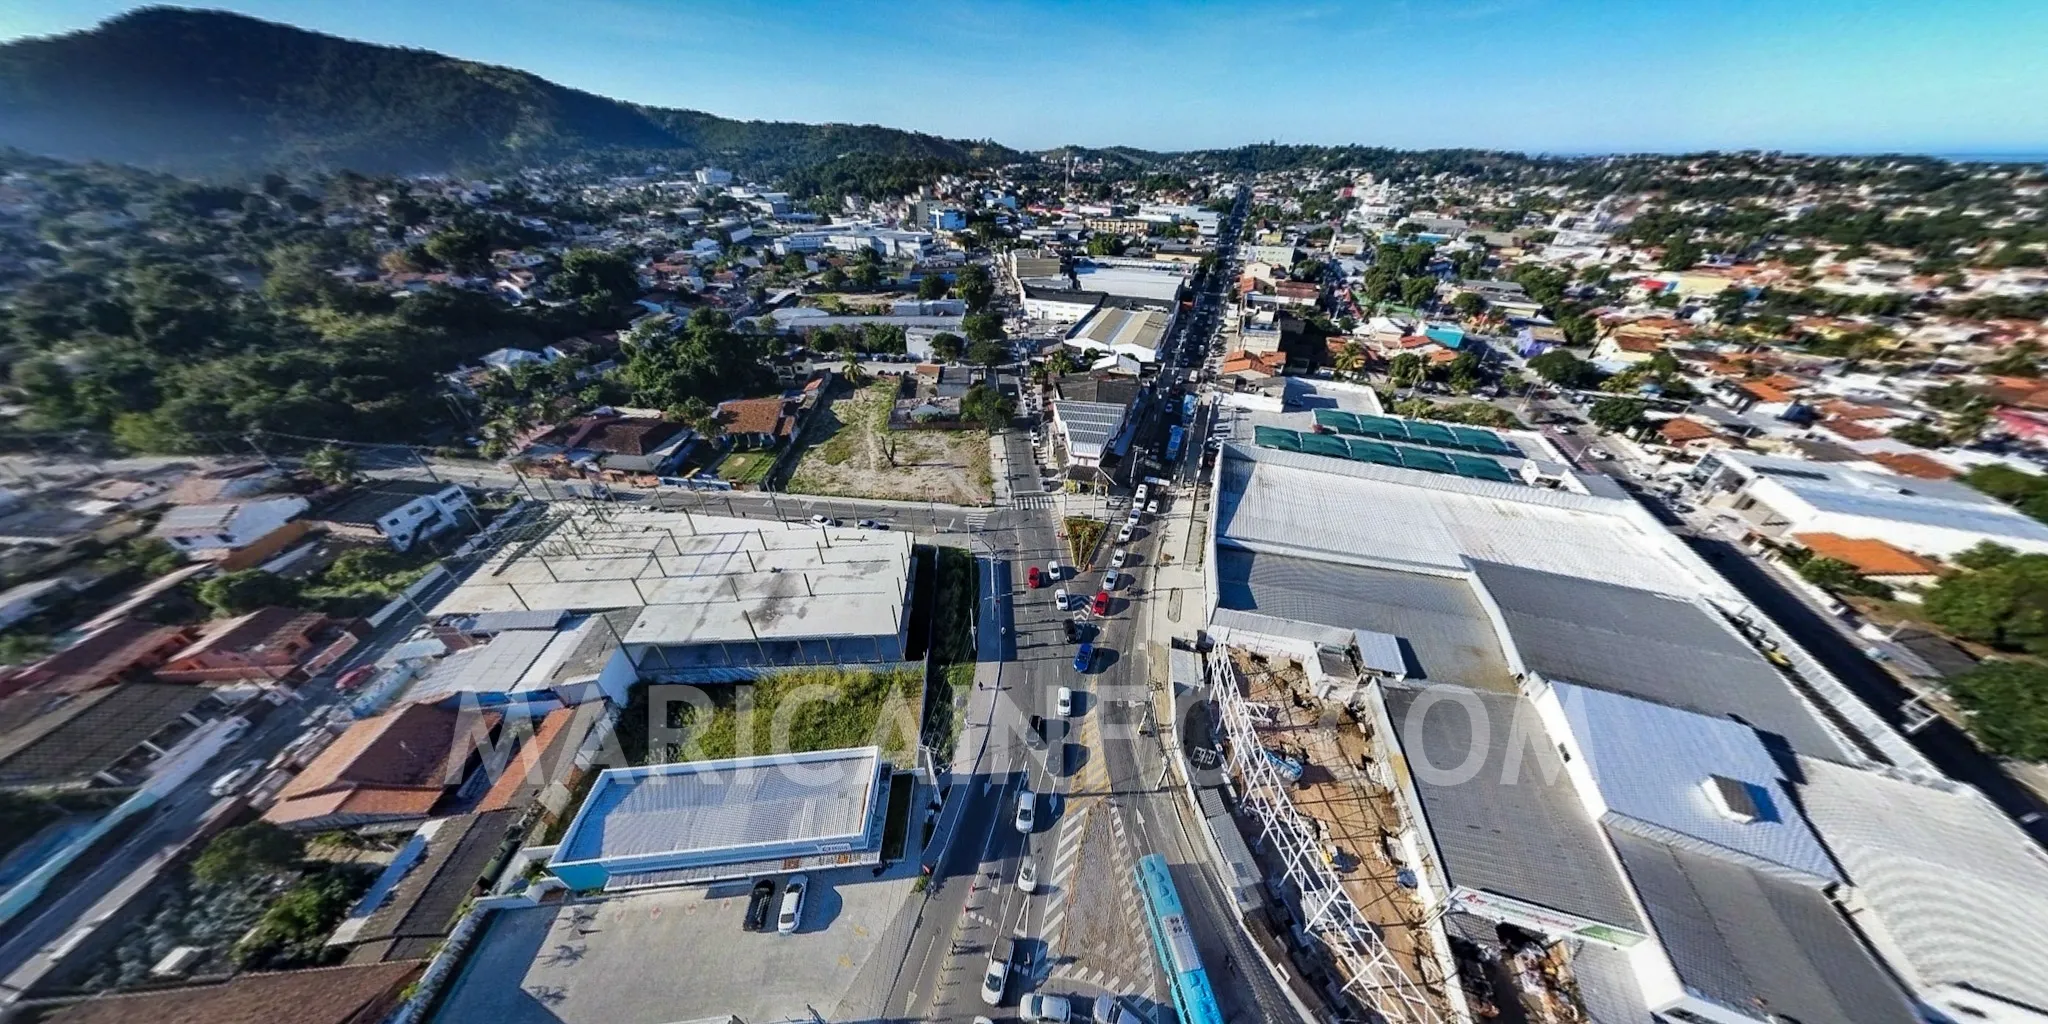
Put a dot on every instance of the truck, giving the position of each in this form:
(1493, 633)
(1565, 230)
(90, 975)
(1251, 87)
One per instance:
(1174, 437)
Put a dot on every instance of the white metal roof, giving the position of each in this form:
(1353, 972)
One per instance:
(1958, 892)
(1650, 763)
(738, 804)
(1837, 488)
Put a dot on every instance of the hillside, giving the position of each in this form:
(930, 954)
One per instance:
(211, 93)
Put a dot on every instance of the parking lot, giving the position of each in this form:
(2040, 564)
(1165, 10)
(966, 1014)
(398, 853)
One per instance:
(677, 954)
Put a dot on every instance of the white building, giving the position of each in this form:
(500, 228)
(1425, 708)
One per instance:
(1778, 496)
(215, 531)
(1136, 333)
(398, 512)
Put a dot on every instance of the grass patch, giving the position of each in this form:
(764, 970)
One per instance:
(1083, 535)
(955, 605)
(785, 712)
(746, 467)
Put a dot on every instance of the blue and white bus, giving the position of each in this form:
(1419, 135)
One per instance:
(1193, 1000)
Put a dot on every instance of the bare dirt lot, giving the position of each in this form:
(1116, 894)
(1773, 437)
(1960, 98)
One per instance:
(853, 453)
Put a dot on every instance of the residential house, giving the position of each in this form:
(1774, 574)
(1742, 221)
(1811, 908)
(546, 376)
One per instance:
(757, 422)
(125, 649)
(1914, 464)
(20, 602)
(1876, 559)
(269, 644)
(53, 740)
(387, 771)
(398, 512)
(1691, 435)
(234, 534)
(365, 994)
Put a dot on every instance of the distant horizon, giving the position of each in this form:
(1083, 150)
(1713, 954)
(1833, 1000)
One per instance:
(1827, 78)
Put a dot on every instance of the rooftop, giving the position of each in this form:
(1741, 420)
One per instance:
(1090, 426)
(321, 995)
(48, 740)
(725, 808)
(1137, 332)
(1868, 556)
(369, 504)
(1839, 488)
(397, 763)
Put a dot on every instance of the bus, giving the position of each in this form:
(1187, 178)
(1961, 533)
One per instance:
(1193, 999)
(1173, 439)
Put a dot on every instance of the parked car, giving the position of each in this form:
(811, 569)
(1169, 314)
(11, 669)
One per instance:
(1059, 599)
(759, 903)
(996, 977)
(1139, 497)
(1101, 603)
(1110, 1010)
(1055, 570)
(1124, 535)
(792, 904)
(870, 524)
(1112, 579)
(1034, 735)
(1034, 578)
(1070, 629)
(1131, 519)
(355, 677)
(1084, 656)
(819, 520)
(1118, 557)
(1040, 1006)
(1063, 702)
(235, 778)
(1152, 507)
(1027, 876)
(1027, 810)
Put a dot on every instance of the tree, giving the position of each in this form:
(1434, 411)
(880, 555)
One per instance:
(1463, 374)
(2008, 706)
(1616, 414)
(1101, 244)
(988, 353)
(1469, 304)
(257, 848)
(599, 281)
(833, 278)
(1985, 555)
(1417, 290)
(947, 347)
(1840, 577)
(985, 405)
(2001, 604)
(697, 414)
(866, 274)
(18, 648)
(1564, 369)
(330, 464)
(1919, 435)
(932, 286)
(1349, 360)
(983, 326)
(975, 287)
(1406, 370)
(1061, 363)
(245, 590)
(460, 248)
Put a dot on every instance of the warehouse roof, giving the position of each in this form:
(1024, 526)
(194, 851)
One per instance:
(1955, 887)
(1838, 488)
(1651, 646)
(737, 804)
(1514, 827)
(1745, 938)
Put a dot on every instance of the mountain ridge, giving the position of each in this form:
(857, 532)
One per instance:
(215, 93)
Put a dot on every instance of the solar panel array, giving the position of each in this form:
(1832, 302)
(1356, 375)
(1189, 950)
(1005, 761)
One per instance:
(1379, 453)
(1422, 432)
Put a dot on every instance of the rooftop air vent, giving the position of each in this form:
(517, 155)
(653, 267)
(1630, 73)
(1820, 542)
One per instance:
(1732, 797)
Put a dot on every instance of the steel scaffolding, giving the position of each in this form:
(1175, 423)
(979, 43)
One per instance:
(1329, 913)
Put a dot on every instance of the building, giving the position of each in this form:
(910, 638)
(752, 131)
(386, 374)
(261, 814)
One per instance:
(365, 994)
(1059, 305)
(234, 534)
(1777, 496)
(1873, 558)
(20, 602)
(266, 645)
(707, 821)
(109, 736)
(1132, 333)
(531, 660)
(388, 771)
(123, 650)
(757, 422)
(422, 892)
(714, 599)
(397, 512)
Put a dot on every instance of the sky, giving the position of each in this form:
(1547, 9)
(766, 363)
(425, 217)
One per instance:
(1550, 76)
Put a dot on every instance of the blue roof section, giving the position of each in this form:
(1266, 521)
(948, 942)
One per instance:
(1422, 432)
(1359, 449)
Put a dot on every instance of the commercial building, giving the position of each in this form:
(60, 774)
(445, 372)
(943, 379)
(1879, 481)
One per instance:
(1575, 730)
(704, 821)
(397, 512)
(1776, 497)
(254, 529)
(714, 598)
(1132, 333)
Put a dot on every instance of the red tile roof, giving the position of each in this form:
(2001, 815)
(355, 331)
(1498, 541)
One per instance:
(756, 416)
(1868, 556)
(1851, 430)
(363, 994)
(396, 764)
(1679, 430)
(1914, 464)
(262, 627)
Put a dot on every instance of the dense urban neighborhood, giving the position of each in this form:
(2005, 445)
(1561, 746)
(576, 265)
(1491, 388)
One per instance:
(659, 580)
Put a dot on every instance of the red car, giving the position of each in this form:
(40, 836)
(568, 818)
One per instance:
(355, 677)
(1101, 605)
(1034, 579)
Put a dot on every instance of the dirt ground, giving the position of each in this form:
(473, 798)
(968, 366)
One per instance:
(852, 453)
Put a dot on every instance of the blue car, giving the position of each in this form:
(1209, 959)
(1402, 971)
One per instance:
(1084, 656)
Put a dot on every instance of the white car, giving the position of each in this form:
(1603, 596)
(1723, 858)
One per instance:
(1152, 507)
(1112, 580)
(1132, 518)
(235, 778)
(820, 520)
(1027, 876)
(1059, 599)
(1064, 702)
(1027, 810)
(996, 976)
(1124, 535)
(1118, 557)
(1055, 570)
(1039, 1006)
(1139, 497)
(792, 904)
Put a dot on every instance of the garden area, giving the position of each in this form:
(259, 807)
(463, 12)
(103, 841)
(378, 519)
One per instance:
(851, 452)
(746, 468)
(785, 712)
(1083, 536)
(252, 900)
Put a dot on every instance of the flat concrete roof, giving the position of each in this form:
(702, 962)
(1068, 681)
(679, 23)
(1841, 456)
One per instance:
(700, 579)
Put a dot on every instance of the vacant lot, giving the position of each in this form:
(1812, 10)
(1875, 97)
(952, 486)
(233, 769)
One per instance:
(746, 467)
(854, 454)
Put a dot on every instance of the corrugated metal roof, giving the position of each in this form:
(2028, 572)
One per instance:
(495, 622)
(1379, 652)
(1960, 890)
(1650, 646)
(1607, 986)
(1523, 834)
(1651, 762)
(708, 806)
(1747, 939)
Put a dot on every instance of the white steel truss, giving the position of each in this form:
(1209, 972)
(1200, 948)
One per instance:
(1331, 916)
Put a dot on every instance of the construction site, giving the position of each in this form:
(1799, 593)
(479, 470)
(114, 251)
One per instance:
(1319, 803)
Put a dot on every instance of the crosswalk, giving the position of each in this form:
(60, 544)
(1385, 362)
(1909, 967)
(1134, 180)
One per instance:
(1066, 858)
(1036, 501)
(977, 519)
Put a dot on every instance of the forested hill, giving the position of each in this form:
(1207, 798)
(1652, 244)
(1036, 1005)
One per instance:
(212, 93)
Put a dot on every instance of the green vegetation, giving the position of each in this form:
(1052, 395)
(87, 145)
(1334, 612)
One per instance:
(1477, 414)
(1842, 578)
(746, 467)
(1083, 535)
(1998, 603)
(293, 930)
(1617, 414)
(985, 405)
(791, 711)
(245, 590)
(2025, 491)
(706, 360)
(954, 609)
(1565, 370)
(256, 848)
(2007, 703)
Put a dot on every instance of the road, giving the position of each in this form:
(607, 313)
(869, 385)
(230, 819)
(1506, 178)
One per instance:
(178, 818)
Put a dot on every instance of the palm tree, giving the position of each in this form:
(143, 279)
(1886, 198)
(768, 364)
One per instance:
(1060, 363)
(1406, 370)
(331, 465)
(850, 367)
(1349, 360)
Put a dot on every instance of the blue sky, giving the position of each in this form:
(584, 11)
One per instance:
(1561, 76)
